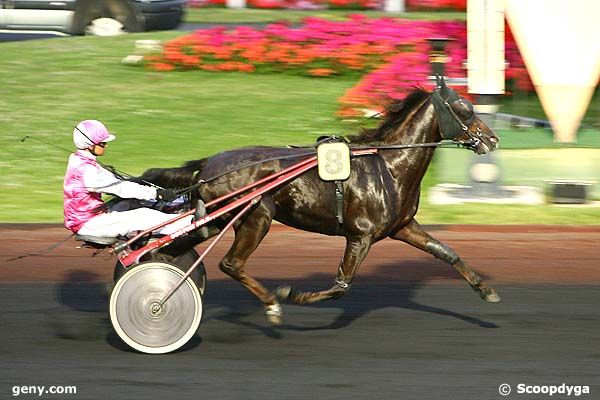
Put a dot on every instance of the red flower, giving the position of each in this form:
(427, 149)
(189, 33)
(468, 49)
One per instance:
(158, 66)
(321, 71)
(393, 54)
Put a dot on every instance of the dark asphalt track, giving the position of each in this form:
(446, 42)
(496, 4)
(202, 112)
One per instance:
(382, 341)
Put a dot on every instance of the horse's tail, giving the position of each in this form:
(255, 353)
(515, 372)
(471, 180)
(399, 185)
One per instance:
(174, 178)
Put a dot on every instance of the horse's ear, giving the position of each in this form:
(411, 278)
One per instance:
(444, 90)
(438, 84)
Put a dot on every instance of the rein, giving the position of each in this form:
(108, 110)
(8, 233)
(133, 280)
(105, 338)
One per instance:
(451, 126)
(449, 143)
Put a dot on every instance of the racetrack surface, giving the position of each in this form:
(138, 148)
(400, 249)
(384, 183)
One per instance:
(408, 328)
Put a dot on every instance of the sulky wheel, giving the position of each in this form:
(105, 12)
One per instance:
(183, 262)
(138, 318)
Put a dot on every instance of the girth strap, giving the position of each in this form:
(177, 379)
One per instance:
(339, 202)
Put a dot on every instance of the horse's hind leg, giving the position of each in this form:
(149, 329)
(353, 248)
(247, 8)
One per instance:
(414, 235)
(248, 235)
(354, 254)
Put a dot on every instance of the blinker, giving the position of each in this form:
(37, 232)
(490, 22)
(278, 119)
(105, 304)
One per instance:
(450, 126)
(444, 99)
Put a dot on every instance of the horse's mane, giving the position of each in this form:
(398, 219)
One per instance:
(395, 113)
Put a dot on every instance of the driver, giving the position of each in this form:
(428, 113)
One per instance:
(86, 179)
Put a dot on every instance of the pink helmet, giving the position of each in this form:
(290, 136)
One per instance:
(90, 132)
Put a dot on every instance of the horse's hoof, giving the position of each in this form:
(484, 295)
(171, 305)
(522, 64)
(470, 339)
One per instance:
(274, 313)
(283, 292)
(490, 296)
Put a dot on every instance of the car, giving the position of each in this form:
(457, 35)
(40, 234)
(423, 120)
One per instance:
(76, 17)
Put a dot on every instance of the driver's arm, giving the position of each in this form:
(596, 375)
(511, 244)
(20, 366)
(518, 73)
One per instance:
(100, 180)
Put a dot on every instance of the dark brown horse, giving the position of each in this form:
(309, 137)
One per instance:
(380, 199)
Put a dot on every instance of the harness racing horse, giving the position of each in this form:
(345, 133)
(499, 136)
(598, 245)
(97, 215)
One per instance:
(380, 198)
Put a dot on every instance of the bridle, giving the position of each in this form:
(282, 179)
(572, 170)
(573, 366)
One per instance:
(450, 124)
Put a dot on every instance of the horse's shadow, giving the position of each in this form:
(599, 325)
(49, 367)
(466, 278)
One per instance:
(391, 285)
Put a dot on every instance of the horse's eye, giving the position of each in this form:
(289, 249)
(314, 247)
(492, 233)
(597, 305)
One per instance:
(463, 109)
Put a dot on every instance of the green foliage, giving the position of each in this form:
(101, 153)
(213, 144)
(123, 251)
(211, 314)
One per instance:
(537, 138)
(164, 119)
(160, 119)
(527, 104)
(508, 214)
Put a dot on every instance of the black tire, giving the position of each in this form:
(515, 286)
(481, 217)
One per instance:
(183, 262)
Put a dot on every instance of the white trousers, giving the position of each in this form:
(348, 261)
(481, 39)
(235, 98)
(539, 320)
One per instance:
(121, 223)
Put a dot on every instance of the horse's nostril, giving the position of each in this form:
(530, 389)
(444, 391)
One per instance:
(494, 139)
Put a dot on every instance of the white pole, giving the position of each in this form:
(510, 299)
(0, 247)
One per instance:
(236, 3)
(394, 6)
(485, 43)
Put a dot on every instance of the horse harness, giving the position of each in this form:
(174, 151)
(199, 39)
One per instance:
(450, 124)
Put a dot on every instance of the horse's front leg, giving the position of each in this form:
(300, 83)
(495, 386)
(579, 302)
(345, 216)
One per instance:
(248, 235)
(414, 235)
(354, 254)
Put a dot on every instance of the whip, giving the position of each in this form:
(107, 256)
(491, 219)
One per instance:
(120, 174)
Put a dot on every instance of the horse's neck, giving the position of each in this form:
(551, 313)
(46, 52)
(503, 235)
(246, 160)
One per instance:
(412, 163)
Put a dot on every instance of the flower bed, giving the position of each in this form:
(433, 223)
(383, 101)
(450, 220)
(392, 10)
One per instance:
(455, 5)
(205, 3)
(296, 4)
(391, 55)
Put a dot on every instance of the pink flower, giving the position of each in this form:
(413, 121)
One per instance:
(392, 54)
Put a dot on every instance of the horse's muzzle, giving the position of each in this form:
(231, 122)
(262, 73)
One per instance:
(487, 140)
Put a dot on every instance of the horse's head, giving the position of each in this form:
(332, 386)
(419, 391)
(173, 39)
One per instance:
(457, 120)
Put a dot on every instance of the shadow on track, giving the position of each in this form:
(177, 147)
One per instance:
(84, 293)
(398, 294)
(390, 286)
